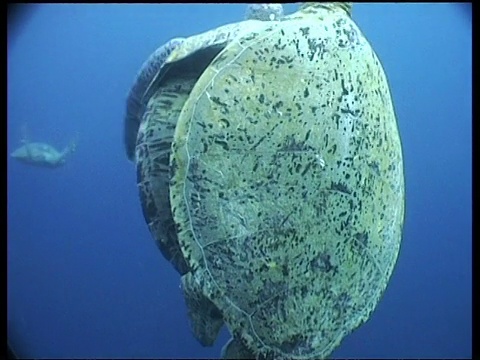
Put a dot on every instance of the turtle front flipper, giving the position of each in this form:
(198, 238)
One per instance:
(154, 140)
(205, 318)
(139, 93)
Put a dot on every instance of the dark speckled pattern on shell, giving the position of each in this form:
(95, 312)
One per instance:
(287, 187)
(164, 91)
(164, 95)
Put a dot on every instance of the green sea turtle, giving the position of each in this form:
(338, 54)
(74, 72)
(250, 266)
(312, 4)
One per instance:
(287, 186)
(41, 154)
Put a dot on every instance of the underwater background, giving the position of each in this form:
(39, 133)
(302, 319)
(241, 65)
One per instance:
(85, 278)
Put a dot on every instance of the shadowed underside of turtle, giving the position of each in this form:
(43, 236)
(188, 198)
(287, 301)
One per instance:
(287, 186)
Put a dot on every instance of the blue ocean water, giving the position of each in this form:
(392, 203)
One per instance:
(85, 279)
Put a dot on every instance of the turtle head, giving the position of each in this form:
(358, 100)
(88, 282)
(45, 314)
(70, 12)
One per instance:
(264, 12)
(313, 6)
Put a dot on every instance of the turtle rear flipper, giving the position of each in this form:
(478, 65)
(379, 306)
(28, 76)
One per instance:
(205, 318)
(235, 349)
